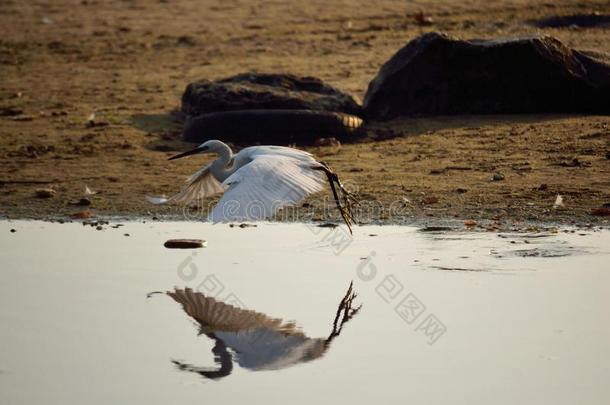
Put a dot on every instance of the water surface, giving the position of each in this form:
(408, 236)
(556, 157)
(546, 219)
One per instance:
(453, 317)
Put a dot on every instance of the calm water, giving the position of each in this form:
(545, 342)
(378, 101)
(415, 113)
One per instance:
(445, 317)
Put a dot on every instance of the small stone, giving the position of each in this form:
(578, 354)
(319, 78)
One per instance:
(44, 193)
(83, 202)
(125, 234)
(13, 230)
(498, 176)
(99, 227)
(470, 223)
(184, 243)
(461, 190)
(600, 212)
(83, 215)
(430, 200)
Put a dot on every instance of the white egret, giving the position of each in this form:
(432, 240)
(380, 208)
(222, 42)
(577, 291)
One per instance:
(258, 342)
(258, 181)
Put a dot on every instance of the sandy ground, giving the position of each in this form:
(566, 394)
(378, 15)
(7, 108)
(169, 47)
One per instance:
(128, 62)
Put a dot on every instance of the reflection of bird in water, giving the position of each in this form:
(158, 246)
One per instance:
(258, 181)
(257, 341)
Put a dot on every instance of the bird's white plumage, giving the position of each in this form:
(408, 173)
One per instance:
(259, 341)
(256, 182)
(267, 183)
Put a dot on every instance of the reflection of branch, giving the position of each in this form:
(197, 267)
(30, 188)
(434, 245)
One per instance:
(221, 357)
(345, 312)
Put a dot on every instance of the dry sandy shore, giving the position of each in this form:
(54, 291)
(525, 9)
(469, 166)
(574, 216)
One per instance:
(129, 61)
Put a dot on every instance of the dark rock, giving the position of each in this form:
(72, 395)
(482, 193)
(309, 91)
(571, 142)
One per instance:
(272, 126)
(438, 74)
(184, 243)
(600, 212)
(576, 20)
(265, 91)
(83, 202)
(10, 111)
(44, 193)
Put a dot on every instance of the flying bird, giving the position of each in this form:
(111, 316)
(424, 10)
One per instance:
(252, 339)
(258, 181)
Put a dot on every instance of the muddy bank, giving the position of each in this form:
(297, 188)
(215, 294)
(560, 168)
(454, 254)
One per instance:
(87, 93)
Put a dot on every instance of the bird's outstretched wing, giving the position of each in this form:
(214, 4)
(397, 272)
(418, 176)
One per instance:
(215, 316)
(258, 341)
(267, 183)
(200, 185)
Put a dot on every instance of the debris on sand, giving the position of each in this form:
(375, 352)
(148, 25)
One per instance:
(422, 19)
(430, 200)
(498, 176)
(88, 191)
(13, 230)
(558, 202)
(83, 202)
(601, 212)
(184, 244)
(470, 223)
(44, 193)
(92, 122)
(83, 214)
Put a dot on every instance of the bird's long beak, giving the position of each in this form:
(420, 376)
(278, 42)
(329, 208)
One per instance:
(200, 149)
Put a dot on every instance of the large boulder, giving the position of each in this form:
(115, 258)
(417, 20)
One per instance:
(265, 91)
(438, 74)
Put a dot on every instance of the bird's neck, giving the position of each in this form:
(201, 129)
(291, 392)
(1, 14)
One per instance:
(223, 166)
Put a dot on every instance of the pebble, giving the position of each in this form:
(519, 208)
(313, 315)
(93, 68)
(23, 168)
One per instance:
(498, 176)
(601, 212)
(83, 202)
(44, 193)
(13, 230)
(430, 200)
(184, 243)
(82, 215)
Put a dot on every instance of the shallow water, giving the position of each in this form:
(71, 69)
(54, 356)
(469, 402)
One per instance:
(445, 318)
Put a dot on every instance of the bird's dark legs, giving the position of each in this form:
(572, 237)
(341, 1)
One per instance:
(345, 312)
(346, 208)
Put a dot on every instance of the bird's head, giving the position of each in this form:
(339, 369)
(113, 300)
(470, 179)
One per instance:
(211, 146)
